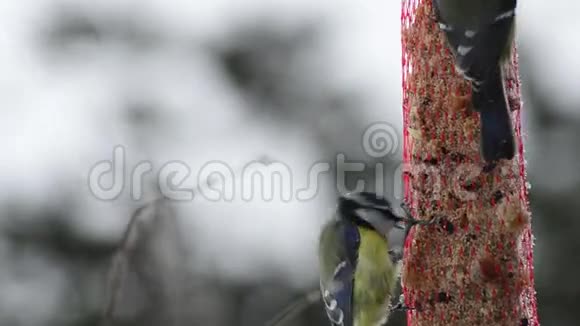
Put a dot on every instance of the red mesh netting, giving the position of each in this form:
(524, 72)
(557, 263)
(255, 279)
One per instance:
(476, 267)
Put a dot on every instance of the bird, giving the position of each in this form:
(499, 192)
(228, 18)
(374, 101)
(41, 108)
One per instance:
(479, 33)
(359, 257)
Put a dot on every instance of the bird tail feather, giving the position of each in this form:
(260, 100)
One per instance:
(497, 139)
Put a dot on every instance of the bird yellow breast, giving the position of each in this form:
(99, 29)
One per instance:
(375, 280)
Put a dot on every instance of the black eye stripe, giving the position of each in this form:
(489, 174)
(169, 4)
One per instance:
(358, 208)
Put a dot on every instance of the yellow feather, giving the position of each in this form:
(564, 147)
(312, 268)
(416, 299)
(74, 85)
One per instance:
(375, 280)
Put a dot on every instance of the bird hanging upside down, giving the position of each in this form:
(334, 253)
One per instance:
(479, 34)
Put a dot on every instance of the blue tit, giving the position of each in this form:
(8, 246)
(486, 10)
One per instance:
(479, 34)
(359, 260)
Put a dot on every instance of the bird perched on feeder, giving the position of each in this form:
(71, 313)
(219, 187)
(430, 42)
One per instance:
(479, 34)
(359, 260)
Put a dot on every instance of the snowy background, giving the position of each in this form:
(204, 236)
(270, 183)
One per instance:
(294, 81)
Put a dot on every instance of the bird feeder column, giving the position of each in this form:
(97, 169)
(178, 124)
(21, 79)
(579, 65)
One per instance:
(475, 266)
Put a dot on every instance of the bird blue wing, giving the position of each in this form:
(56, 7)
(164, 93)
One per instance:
(338, 293)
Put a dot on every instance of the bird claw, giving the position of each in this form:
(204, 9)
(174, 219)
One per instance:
(401, 306)
(406, 208)
(396, 255)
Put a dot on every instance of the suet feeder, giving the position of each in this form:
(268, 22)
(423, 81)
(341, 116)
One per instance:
(476, 266)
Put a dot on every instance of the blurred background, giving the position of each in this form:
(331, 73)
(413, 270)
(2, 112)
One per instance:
(291, 81)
